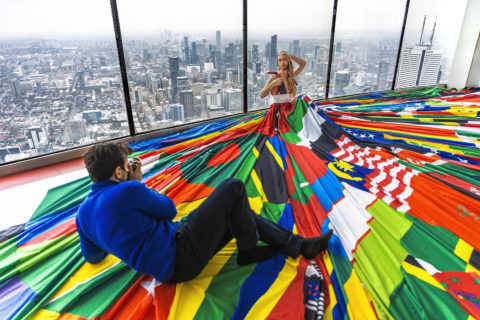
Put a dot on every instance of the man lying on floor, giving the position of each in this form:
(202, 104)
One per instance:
(124, 217)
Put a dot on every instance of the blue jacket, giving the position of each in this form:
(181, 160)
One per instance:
(132, 222)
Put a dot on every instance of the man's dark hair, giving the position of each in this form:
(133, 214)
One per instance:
(102, 159)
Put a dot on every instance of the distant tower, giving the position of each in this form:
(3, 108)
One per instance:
(342, 80)
(194, 57)
(187, 50)
(186, 99)
(273, 52)
(382, 75)
(219, 41)
(255, 55)
(295, 47)
(174, 68)
(420, 65)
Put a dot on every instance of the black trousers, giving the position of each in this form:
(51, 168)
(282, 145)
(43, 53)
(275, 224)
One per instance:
(224, 215)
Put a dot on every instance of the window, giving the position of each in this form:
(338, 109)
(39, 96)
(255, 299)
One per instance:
(60, 84)
(301, 28)
(367, 36)
(184, 60)
(429, 44)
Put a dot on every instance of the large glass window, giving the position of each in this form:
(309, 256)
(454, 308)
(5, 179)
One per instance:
(303, 29)
(367, 36)
(430, 40)
(60, 84)
(184, 60)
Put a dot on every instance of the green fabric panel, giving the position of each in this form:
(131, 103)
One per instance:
(301, 194)
(32, 254)
(432, 302)
(63, 197)
(272, 211)
(379, 255)
(8, 258)
(93, 298)
(433, 244)
(48, 276)
(224, 291)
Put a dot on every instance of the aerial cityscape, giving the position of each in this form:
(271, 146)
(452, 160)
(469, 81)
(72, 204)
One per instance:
(59, 94)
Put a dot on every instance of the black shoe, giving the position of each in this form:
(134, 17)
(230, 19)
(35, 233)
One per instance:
(255, 254)
(311, 247)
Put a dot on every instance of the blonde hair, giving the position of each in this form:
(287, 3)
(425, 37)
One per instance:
(290, 85)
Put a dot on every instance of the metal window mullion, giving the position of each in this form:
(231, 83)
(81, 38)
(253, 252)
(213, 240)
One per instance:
(245, 58)
(402, 34)
(123, 66)
(330, 53)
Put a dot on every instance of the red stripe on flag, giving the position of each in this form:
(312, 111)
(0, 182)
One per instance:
(290, 305)
(64, 229)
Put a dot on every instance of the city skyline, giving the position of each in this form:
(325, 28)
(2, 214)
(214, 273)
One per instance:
(68, 93)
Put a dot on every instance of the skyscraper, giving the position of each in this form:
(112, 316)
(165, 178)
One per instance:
(255, 54)
(194, 57)
(174, 68)
(382, 74)
(186, 99)
(295, 47)
(420, 65)
(219, 41)
(187, 50)
(342, 80)
(273, 52)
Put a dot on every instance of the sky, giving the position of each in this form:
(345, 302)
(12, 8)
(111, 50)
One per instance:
(312, 18)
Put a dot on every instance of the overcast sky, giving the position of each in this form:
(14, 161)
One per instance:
(86, 18)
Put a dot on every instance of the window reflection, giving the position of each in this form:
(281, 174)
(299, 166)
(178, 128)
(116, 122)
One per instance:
(60, 84)
(431, 35)
(182, 65)
(367, 36)
(305, 35)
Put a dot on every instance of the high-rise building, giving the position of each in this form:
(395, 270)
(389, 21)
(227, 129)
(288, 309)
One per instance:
(187, 50)
(232, 100)
(342, 80)
(419, 66)
(339, 47)
(382, 74)
(174, 69)
(176, 112)
(218, 42)
(255, 53)
(273, 52)
(295, 47)
(194, 57)
(186, 99)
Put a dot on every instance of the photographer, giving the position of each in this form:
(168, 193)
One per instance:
(124, 217)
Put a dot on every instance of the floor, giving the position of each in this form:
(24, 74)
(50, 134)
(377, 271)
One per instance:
(21, 193)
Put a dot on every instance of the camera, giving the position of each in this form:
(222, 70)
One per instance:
(133, 162)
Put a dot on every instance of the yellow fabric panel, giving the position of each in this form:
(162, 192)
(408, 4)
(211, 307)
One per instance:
(43, 314)
(331, 293)
(85, 273)
(275, 155)
(358, 302)
(258, 184)
(265, 304)
(185, 208)
(189, 295)
(421, 274)
(463, 250)
(256, 203)
(471, 268)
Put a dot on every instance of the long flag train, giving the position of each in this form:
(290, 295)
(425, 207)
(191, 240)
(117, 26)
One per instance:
(395, 175)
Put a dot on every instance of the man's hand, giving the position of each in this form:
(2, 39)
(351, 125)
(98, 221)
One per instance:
(135, 169)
